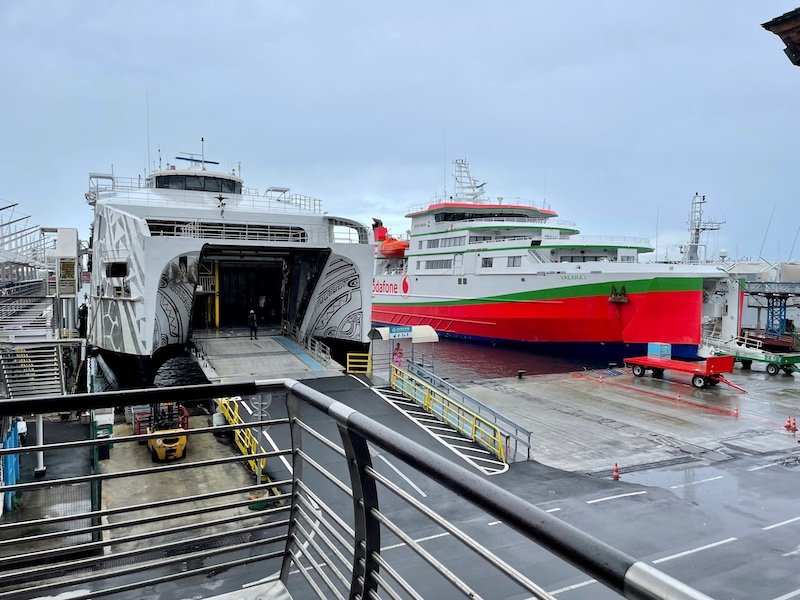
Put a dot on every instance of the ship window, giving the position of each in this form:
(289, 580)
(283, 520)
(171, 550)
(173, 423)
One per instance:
(433, 243)
(198, 183)
(211, 184)
(117, 269)
(171, 182)
(194, 183)
(514, 261)
(486, 262)
(420, 245)
(453, 241)
(441, 263)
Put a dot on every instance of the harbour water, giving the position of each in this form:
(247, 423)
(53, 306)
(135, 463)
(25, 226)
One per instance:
(457, 361)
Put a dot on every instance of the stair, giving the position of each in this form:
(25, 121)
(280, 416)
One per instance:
(32, 370)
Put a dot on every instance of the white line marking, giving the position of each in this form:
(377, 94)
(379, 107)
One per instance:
(680, 485)
(419, 541)
(364, 383)
(471, 449)
(786, 522)
(396, 470)
(437, 432)
(552, 510)
(484, 460)
(614, 497)
(762, 467)
(793, 594)
(792, 553)
(247, 407)
(490, 523)
(275, 447)
(572, 587)
(687, 552)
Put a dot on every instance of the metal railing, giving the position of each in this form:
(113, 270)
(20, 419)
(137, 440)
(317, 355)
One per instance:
(317, 349)
(518, 443)
(468, 423)
(601, 240)
(328, 532)
(359, 363)
(135, 190)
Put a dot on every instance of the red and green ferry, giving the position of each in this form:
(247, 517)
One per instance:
(499, 271)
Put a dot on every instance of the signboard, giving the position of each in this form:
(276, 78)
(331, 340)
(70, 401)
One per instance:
(66, 276)
(399, 331)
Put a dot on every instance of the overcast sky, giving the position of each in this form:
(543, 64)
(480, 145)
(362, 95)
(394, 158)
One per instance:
(613, 113)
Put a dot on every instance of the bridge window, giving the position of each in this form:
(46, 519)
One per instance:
(200, 183)
(514, 261)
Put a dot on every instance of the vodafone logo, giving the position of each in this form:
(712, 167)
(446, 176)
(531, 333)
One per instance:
(392, 286)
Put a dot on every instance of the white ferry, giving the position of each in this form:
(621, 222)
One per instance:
(190, 247)
(509, 271)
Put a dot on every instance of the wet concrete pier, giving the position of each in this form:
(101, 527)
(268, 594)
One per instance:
(587, 421)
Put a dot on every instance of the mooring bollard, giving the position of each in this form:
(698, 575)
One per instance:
(521, 373)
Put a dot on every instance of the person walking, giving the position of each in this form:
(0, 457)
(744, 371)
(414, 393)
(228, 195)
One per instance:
(397, 355)
(252, 323)
(22, 430)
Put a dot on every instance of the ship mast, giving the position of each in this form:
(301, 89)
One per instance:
(696, 227)
(466, 188)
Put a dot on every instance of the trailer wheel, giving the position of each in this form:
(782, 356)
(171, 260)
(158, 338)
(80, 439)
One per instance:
(658, 373)
(699, 381)
(772, 369)
(638, 370)
(746, 364)
(713, 382)
(788, 369)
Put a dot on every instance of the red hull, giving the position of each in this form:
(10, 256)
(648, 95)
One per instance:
(669, 316)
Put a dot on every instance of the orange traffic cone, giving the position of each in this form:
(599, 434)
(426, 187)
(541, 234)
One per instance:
(794, 425)
(736, 411)
(788, 426)
(615, 474)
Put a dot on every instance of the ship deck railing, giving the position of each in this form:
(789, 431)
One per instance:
(326, 524)
(135, 191)
(534, 222)
(600, 240)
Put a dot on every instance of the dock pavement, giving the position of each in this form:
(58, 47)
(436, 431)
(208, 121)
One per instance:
(587, 421)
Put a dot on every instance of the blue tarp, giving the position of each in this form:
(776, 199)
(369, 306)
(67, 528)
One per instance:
(10, 465)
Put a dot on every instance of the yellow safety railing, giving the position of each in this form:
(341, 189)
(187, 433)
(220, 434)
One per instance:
(469, 423)
(359, 363)
(244, 438)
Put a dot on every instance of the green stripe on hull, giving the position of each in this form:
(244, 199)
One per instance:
(643, 286)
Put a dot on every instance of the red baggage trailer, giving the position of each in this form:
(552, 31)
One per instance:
(705, 373)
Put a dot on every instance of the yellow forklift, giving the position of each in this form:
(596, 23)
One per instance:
(169, 419)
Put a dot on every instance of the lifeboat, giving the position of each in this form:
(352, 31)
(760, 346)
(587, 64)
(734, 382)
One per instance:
(393, 248)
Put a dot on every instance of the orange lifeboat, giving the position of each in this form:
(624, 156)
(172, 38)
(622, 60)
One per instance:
(393, 248)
